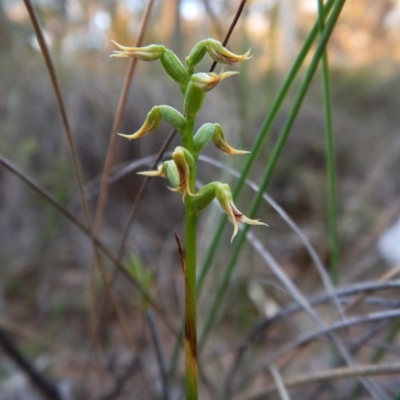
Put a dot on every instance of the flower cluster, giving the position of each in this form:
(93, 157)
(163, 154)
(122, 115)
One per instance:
(180, 171)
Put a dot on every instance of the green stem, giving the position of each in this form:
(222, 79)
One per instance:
(190, 304)
(190, 277)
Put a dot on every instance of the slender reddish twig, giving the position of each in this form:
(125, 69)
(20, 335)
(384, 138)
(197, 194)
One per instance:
(117, 122)
(75, 160)
(78, 224)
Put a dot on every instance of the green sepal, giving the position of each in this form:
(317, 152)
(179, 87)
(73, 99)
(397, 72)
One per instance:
(197, 54)
(184, 164)
(173, 117)
(204, 196)
(172, 173)
(146, 53)
(194, 99)
(223, 194)
(173, 67)
(186, 153)
(203, 137)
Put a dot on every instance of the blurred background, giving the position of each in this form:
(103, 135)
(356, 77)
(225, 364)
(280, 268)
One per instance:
(45, 261)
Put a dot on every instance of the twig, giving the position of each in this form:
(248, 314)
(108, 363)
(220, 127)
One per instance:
(372, 317)
(384, 278)
(23, 177)
(231, 28)
(293, 308)
(373, 388)
(139, 196)
(76, 163)
(159, 355)
(338, 373)
(117, 122)
(354, 348)
(47, 389)
(280, 385)
(121, 380)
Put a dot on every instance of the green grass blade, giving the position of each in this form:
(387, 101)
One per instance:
(261, 138)
(330, 159)
(272, 164)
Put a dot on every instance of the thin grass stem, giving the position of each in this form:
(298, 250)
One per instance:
(321, 269)
(338, 373)
(268, 170)
(76, 164)
(379, 353)
(280, 385)
(159, 355)
(85, 230)
(260, 140)
(330, 158)
(117, 122)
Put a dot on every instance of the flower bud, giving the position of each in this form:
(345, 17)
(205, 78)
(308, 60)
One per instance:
(207, 81)
(224, 196)
(184, 163)
(197, 54)
(173, 67)
(203, 137)
(173, 117)
(172, 173)
(151, 123)
(221, 54)
(194, 99)
(204, 196)
(220, 142)
(148, 53)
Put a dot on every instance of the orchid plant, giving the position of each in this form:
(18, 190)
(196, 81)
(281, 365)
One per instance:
(181, 170)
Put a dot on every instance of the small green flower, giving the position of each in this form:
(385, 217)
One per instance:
(168, 170)
(224, 196)
(220, 142)
(152, 122)
(184, 163)
(217, 51)
(148, 53)
(207, 81)
(222, 192)
(221, 54)
(161, 171)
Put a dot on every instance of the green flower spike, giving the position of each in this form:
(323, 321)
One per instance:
(148, 53)
(220, 142)
(184, 163)
(224, 196)
(152, 122)
(207, 81)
